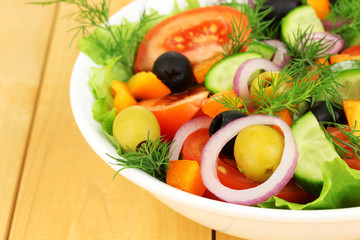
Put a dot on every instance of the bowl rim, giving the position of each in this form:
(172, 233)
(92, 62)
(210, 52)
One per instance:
(80, 93)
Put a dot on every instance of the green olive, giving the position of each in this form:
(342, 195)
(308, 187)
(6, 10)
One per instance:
(133, 125)
(258, 150)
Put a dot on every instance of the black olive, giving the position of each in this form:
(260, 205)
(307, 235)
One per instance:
(220, 121)
(280, 8)
(322, 114)
(174, 70)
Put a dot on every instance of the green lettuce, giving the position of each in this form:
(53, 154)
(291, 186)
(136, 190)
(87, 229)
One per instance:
(100, 79)
(340, 189)
(106, 118)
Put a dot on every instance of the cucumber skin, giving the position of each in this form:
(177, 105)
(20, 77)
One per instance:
(212, 77)
(349, 79)
(345, 65)
(265, 49)
(288, 27)
(311, 181)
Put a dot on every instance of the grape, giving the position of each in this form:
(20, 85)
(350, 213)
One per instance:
(133, 125)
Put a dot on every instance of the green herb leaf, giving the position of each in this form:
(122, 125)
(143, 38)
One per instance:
(345, 149)
(256, 26)
(151, 157)
(345, 17)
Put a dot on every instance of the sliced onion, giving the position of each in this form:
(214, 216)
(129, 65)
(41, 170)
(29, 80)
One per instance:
(262, 192)
(184, 131)
(245, 70)
(335, 41)
(281, 56)
(339, 22)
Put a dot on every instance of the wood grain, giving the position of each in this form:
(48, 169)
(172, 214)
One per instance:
(66, 190)
(24, 42)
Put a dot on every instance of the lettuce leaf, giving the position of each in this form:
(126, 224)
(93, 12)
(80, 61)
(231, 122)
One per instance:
(100, 79)
(340, 189)
(106, 118)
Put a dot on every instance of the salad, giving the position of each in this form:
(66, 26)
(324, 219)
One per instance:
(252, 103)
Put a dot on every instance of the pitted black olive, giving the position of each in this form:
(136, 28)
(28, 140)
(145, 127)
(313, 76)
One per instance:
(280, 8)
(322, 113)
(174, 70)
(220, 121)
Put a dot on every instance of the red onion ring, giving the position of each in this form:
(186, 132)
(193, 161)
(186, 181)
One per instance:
(338, 22)
(281, 56)
(335, 41)
(184, 131)
(246, 69)
(262, 192)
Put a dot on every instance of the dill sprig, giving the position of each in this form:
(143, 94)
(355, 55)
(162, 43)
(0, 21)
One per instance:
(151, 157)
(123, 41)
(290, 89)
(87, 15)
(244, 29)
(305, 78)
(348, 148)
(345, 18)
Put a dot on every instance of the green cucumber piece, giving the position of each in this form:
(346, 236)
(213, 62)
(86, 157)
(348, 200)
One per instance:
(314, 149)
(345, 65)
(300, 19)
(221, 76)
(348, 76)
(350, 84)
(265, 49)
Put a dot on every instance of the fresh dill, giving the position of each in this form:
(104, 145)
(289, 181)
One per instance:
(305, 78)
(254, 26)
(87, 15)
(91, 18)
(152, 157)
(345, 18)
(348, 147)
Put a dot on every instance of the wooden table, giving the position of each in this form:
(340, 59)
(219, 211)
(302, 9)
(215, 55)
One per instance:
(52, 184)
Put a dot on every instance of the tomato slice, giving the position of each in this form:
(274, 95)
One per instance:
(352, 51)
(230, 176)
(196, 33)
(174, 110)
(352, 161)
(193, 151)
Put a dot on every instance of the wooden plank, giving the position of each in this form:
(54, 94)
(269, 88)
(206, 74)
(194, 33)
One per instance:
(223, 236)
(67, 191)
(23, 49)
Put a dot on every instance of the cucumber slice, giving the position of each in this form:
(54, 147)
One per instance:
(349, 78)
(221, 76)
(299, 19)
(350, 84)
(265, 49)
(345, 65)
(314, 149)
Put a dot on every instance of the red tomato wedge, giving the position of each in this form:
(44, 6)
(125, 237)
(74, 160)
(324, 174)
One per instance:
(192, 151)
(231, 177)
(196, 33)
(352, 51)
(174, 110)
(352, 161)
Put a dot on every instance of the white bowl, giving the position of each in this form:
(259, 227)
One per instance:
(241, 221)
